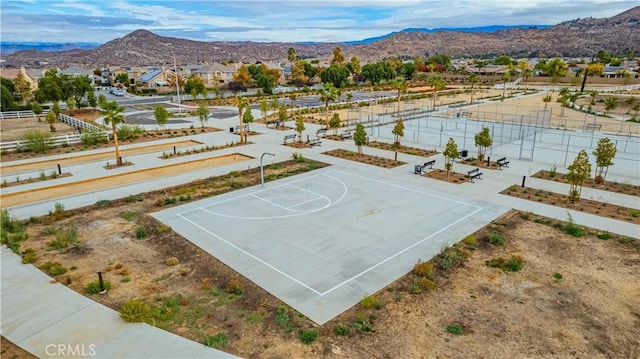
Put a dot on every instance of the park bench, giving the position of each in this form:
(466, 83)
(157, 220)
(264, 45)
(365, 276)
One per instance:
(315, 142)
(594, 126)
(419, 168)
(321, 132)
(475, 173)
(346, 135)
(273, 124)
(245, 128)
(289, 138)
(502, 162)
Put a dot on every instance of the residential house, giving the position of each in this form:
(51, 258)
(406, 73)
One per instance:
(11, 74)
(158, 78)
(216, 74)
(75, 71)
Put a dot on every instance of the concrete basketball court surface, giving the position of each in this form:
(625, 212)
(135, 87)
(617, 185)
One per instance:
(322, 241)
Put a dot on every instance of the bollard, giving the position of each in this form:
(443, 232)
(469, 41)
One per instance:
(102, 288)
(120, 161)
(396, 157)
(488, 161)
(59, 169)
(174, 150)
(523, 179)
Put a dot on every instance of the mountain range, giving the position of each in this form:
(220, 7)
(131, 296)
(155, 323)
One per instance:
(578, 37)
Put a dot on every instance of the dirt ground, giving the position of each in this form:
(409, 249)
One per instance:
(9, 350)
(573, 298)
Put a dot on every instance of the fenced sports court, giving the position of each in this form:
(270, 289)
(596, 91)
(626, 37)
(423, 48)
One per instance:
(323, 241)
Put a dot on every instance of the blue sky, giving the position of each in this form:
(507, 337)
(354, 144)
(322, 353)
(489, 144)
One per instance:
(281, 21)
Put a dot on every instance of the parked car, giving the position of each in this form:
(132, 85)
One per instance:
(116, 91)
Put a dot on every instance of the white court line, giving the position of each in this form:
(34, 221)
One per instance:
(249, 194)
(275, 204)
(249, 254)
(345, 282)
(303, 202)
(399, 253)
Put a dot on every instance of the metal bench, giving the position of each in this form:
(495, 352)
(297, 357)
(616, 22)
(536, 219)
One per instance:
(346, 135)
(475, 173)
(289, 138)
(502, 162)
(315, 142)
(321, 132)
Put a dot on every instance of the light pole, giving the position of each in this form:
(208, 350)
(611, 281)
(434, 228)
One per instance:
(262, 169)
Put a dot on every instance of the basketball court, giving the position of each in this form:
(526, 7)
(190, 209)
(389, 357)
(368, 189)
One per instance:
(324, 240)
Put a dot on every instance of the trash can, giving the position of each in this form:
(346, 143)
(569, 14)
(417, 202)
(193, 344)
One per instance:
(458, 114)
(418, 169)
(464, 153)
(231, 129)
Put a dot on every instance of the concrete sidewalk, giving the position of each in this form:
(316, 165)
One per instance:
(51, 320)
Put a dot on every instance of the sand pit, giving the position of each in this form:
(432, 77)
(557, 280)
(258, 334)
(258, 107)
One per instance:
(68, 189)
(105, 155)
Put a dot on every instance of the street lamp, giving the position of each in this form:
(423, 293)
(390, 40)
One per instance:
(262, 169)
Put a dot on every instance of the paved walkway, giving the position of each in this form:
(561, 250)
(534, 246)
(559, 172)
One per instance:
(36, 313)
(51, 320)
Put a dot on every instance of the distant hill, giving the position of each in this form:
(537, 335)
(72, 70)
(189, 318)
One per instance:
(492, 28)
(11, 47)
(579, 37)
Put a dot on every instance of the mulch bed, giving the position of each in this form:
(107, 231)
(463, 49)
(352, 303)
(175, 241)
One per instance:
(623, 188)
(601, 209)
(474, 162)
(297, 144)
(364, 158)
(453, 177)
(402, 149)
(54, 175)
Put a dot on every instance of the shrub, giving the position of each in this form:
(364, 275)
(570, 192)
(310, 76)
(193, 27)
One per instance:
(53, 268)
(420, 285)
(455, 329)
(604, 236)
(94, 287)
(172, 261)
(370, 301)
(217, 341)
(450, 257)
(282, 316)
(162, 312)
(308, 336)
(125, 279)
(93, 137)
(572, 228)
(298, 158)
(103, 202)
(470, 242)
(13, 231)
(341, 330)
(129, 132)
(495, 238)
(424, 269)
(513, 264)
(38, 141)
(558, 277)
(141, 233)
(64, 238)
(29, 256)
(134, 311)
(235, 287)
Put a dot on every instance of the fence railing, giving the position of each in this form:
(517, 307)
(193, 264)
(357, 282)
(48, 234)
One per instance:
(78, 124)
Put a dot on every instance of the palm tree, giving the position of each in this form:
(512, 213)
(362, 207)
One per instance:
(506, 77)
(113, 116)
(242, 104)
(438, 84)
(473, 80)
(327, 93)
(399, 84)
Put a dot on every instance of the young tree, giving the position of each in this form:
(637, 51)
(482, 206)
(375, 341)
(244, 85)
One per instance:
(248, 117)
(282, 113)
(335, 123)
(483, 140)
(162, 115)
(400, 85)
(56, 109)
(300, 127)
(546, 100)
(473, 80)
(51, 120)
(113, 116)
(264, 108)
(203, 114)
(610, 104)
(398, 131)
(360, 138)
(22, 87)
(438, 84)
(241, 104)
(450, 153)
(327, 93)
(579, 172)
(605, 152)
